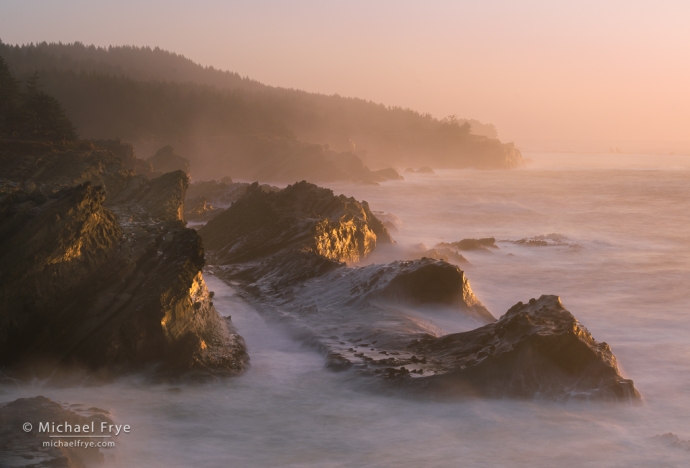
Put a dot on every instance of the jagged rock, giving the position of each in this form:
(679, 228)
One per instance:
(445, 254)
(269, 245)
(125, 152)
(535, 350)
(199, 209)
(105, 279)
(300, 217)
(219, 194)
(483, 244)
(53, 166)
(165, 160)
(548, 240)
(19, 448)
(160, 198)
(47, 246)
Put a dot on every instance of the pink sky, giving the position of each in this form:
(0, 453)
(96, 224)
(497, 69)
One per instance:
(538, 70)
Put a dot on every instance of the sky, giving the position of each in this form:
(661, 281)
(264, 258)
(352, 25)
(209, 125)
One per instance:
(604, 70)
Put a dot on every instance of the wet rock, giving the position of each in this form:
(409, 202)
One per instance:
(548, 240)
(483, 244)
(20, 448)
(104, 278)
(447, 255)
(302, 217)
(536, 350)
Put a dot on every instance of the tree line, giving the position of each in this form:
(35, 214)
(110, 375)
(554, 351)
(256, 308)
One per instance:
(26, 112)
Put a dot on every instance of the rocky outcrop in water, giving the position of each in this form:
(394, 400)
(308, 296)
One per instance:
(412, 325)
(301, 217)
(207, 198)
(536, 349)
(21, 448)
(104, 277)
(483, 244)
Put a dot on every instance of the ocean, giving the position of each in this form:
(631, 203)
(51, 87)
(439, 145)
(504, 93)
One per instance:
(618, 256)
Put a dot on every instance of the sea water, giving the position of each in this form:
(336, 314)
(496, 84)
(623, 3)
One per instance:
(622, 268)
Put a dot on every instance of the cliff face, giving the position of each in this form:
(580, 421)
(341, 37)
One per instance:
(104, 278)
(302, 217)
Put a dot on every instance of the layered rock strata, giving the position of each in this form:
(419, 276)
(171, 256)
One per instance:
(104, 277)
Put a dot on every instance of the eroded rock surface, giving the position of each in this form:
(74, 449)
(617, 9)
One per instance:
(301, 217)
(536, 349)
(414, 325)
(104, 277)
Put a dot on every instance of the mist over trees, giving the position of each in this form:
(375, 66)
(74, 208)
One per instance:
(151, 98)
(30, 113)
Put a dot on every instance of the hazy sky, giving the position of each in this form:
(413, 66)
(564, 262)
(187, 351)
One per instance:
(612, 70)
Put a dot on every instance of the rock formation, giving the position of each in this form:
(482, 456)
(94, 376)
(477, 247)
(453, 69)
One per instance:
(421, 170)
(483, 244)
(103, 277)
(125, 152)
(413, 325)
(301, 217)
(165, 160)
(536, 349)
(206, 199)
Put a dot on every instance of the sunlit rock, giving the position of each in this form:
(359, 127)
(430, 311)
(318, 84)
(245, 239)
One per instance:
(104, 278)
(301, 217)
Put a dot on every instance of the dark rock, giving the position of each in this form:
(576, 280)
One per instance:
(421, 170)
(445, 254)
(103, 278)
(20, 448)
(388, 174)
(207, 199)
(301, 217)
(483, 244)
(50, 166)
(534, 350)
(125, 152)
(165, 160)
(199, 209)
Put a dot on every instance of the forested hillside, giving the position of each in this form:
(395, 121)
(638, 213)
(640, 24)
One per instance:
(151, 97)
